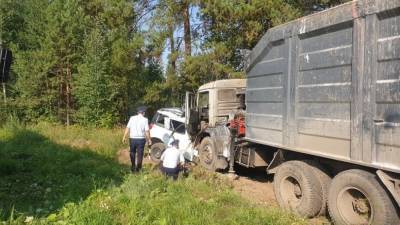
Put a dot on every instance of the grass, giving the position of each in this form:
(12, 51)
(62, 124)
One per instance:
(40, 172)
(56, 175)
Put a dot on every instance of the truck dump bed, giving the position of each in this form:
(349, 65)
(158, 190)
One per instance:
(329, 85)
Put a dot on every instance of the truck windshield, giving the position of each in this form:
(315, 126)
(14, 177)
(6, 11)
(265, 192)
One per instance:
(203, 99)
(227, 95)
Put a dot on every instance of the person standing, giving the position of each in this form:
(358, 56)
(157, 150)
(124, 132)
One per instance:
(138, 129)
(171, 160)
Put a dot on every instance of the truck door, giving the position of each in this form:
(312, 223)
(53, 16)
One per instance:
(190, 104)
(191, 114)
(382, 67)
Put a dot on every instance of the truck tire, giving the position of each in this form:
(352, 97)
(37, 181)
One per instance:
(156, 151)
(325, 181)
(356, 197)
(298, 189)
(208, 154)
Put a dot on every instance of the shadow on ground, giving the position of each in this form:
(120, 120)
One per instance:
(259, 175)
(38, 176)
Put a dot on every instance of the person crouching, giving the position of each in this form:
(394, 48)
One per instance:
(171, 160)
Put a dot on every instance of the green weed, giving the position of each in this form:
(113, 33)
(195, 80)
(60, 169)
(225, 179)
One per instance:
(39, 175)
(56, 175)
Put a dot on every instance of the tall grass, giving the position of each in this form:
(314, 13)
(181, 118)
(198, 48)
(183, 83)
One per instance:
(40, 172)
(149, 198)
(103, 141)
(51, 174)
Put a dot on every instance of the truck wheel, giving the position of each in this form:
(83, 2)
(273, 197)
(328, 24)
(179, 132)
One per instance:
(298, 189)
(325, 181)
(356, 197)
(208, 154)
(156, 151)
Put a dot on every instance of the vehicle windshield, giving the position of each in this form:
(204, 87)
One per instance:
(203, 99)
(179, 127)
(158, 119)
(227, 95)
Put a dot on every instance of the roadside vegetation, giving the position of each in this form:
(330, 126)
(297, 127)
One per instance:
(51, 174)
(92, 62)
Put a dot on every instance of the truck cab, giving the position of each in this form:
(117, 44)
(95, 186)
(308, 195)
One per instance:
(214, 102)
(207, 117)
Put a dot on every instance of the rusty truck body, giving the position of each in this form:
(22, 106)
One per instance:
(321, 112)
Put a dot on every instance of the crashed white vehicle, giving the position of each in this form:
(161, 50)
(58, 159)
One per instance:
(169, 124)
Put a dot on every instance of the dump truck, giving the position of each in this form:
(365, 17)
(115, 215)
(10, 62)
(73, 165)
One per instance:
(319, 109)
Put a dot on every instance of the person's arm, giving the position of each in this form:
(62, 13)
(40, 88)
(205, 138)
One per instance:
(125, 135)
(148, 137)
(162, 157)
(126, 131)
(181, 160)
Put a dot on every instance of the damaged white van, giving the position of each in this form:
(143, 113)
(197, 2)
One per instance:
(169, 124)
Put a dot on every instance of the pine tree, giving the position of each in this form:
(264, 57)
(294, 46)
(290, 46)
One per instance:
(234, 25)
(92, 83)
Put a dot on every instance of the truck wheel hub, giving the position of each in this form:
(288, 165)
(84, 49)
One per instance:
(354, 206)
(361, 206)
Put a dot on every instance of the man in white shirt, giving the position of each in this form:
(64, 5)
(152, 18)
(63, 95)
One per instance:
(171, 160)
(138, 129)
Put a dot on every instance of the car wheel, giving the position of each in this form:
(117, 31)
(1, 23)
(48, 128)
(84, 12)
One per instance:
(156, 151)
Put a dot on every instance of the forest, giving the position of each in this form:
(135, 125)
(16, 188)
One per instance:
(92, 62)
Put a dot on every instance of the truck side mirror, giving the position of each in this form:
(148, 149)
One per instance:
(5, 63)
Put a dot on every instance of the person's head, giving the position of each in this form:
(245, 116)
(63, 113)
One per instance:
(141, 110)
(175, 143)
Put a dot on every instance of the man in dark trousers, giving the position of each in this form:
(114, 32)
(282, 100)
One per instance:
(138, 129)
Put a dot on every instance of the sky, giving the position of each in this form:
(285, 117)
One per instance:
(194, 19)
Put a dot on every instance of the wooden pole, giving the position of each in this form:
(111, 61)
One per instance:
(4, 93)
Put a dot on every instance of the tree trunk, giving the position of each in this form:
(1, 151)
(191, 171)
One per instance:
(4, 94)
(68, 95)
(65, 94)
(187, 29)
(60, 83)
(172, 57)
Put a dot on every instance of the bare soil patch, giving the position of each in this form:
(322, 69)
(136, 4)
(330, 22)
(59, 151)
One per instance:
(260, 192)
(124, 158)
(257, 188)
